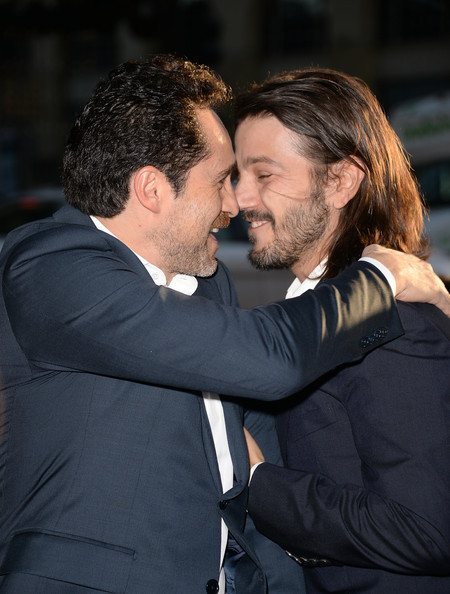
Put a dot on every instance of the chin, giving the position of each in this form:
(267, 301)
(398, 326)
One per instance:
(207, 273)
(207, 267)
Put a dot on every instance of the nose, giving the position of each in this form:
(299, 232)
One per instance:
(229, 202)
(247, 194)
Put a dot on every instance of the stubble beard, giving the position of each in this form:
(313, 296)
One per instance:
(207, 265)
(296, 237)
(191, 258)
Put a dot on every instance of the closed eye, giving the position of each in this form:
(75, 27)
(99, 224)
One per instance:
(224, 176)
(224, 181)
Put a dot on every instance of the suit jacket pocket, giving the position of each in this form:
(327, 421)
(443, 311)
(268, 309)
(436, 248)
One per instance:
(72, 559)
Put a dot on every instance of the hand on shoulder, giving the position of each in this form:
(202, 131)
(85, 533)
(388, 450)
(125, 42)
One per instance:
(415, 278)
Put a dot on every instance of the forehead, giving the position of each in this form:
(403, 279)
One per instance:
(220, 160)
(265, 137)
(216, 134)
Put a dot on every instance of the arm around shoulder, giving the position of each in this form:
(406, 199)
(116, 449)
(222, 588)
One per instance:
(358, 313)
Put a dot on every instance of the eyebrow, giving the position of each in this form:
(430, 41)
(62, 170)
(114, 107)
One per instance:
(225, 172)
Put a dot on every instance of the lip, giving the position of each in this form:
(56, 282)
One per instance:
(257, 224)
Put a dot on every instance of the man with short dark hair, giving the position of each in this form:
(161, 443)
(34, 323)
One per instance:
(122, 470)
(364, 503)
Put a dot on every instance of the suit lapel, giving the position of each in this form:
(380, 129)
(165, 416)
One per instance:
(232, 412)
(234, 421)
(208, 445)
(236, 443)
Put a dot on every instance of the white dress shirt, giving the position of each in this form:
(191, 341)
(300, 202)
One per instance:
(187, 285)
(298, 287)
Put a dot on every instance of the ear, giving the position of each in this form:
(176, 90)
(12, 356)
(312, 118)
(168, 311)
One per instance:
(348, 178)
(150, 187)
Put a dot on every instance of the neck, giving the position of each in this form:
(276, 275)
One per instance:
(135, 238)
(303, 269)
(312, 258)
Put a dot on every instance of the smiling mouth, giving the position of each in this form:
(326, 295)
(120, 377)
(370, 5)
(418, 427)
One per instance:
(256, 219)
(256, 224)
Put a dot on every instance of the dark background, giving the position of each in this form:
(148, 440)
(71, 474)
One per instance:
(54, 51)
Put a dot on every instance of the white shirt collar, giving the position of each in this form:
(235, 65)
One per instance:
(183, 283)
(298, 287)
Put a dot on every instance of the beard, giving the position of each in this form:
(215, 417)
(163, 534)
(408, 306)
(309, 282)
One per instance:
(183, 252)
(296, 235)
(198, 261)
(189, 258)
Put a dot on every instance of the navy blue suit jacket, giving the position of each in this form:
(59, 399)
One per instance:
(109, 480)
(367, 488)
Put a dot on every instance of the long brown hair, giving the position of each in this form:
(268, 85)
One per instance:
(337, 117)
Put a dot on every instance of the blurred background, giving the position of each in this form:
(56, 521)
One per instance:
(53, 52)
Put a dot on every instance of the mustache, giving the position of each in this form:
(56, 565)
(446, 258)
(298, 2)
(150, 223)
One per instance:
(254, 215)
(221, 222)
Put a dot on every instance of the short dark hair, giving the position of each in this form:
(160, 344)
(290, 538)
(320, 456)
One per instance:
(142, 114)
(337, 117)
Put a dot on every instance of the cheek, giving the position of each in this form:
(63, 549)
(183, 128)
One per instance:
(280, 195)
(266, 195)
(271, 198)
(210, 202)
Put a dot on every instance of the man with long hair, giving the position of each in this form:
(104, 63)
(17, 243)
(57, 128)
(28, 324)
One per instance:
(364, 501)
(121, 468)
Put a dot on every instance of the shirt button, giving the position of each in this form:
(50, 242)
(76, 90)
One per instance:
(212, 587)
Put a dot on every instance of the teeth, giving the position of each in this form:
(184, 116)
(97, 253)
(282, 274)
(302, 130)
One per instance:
(256, 224)
(215, 230)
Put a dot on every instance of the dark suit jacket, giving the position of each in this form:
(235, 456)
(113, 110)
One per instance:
(109, 479)
(368, 484)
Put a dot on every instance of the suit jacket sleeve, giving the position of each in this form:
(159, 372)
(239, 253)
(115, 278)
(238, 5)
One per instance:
(397, 401)
(79, 300)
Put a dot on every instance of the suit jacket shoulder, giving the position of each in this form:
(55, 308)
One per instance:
(367, 451)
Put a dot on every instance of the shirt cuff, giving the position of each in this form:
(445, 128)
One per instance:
(252, 470)
(384, 271)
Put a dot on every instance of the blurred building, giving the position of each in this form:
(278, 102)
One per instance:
(53, 52)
